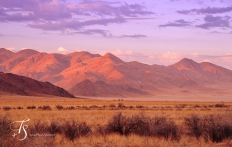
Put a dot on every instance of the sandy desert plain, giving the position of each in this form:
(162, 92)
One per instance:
(175, 123)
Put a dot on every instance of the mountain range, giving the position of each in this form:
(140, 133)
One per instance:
(86, 74)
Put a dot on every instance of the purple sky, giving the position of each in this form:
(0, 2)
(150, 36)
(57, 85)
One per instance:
(153, 32)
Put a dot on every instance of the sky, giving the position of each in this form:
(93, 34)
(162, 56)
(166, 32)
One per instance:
(152, 31)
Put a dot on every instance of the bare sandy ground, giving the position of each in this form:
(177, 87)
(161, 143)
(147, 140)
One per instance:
(184, 98)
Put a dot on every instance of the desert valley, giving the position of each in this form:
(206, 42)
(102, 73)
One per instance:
(84, 99)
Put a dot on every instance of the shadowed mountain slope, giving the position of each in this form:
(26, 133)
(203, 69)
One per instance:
(101, 89)
(19, 85)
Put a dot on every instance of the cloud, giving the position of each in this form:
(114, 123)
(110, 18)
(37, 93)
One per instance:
(120, 52)
(62, 50)
(216, 32)
(177, 23)
(36, 10)
(89, 7)
(61, 15)
(62, 25)
(137, 36)
(208, 10)
(206, 60)
(56, 10)
(128, 55)
(168, 58)
(103, 33)
(218, 21)
(11, 48)
(1, 35)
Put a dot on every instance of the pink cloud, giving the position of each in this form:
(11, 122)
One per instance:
(168, 58)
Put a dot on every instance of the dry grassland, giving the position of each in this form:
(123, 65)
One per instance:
(97, 113)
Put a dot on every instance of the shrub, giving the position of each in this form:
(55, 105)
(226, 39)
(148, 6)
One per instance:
(139, 106)
(7, 108)
(19, 107)
(70, 108)
(75, 130)
(4, 126)
(45, 107)
(222, 105)
(216, 128)
(59, 107)
(196, 106)
(182, 106)
(112, 106)
(121, 105)
(31, 107)
(194, 126)
(131, 107)
(120, 124)
(163, 127)
(85, 107)
(93, 107)
(143, 126)
(54, 128)
(38, 127)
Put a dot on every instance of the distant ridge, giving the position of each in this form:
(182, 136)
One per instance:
(187, 64)
(101, 89)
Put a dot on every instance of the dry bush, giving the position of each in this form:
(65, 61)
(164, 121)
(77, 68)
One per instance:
(4, 126)
(45, 107)
(55, 128)
(112, 105)
(6, 139)
(93, 107)
(121, 124)
(214, 127)
(19, 107)
(85, 108)
(70, 108)
(196, 106)
(131, 107)
(222, 105)
(194, 126)
(31, 107)
(7, 108)
(140, 107)
(121, 105)
(143, 126)
(163, 127)
(59, 107)
(38, 127)
(73, 130)
(217, 128)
